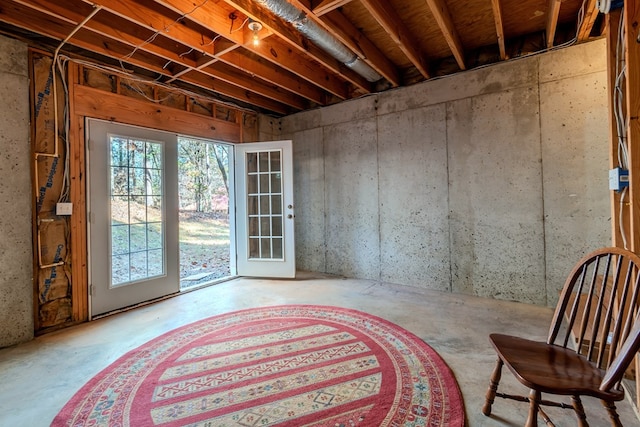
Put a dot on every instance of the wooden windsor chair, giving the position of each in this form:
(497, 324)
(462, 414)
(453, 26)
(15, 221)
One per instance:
(593, 338)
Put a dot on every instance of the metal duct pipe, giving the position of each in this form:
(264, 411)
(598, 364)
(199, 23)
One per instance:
(320, 37)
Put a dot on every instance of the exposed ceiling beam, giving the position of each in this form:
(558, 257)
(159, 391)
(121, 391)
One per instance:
(326, 6)
(56, 29)
(388, 18)
(353, 38)
(497, 17)
(297, 41)
(553, 12)
(342, 29)
(441, 13)
(269, 72)
(214, 20)
(275, 50)
(589, 20)
(110, 26)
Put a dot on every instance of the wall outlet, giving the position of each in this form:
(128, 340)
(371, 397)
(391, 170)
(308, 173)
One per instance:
(64, 208)
(618, 179)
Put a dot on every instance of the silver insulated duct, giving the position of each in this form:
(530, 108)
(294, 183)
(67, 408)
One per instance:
(320, 37)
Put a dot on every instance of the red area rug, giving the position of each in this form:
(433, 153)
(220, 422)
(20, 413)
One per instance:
(287, 366)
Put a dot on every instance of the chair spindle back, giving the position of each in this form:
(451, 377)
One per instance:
(598, 311)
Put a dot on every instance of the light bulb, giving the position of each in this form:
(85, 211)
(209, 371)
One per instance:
(255, 27)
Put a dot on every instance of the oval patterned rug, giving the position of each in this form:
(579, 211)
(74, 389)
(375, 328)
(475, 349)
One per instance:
(297, 365)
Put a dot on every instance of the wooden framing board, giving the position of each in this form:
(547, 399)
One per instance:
(98, 104)
(86, 101)
(78, 225)
(626, 216)
(632, 58)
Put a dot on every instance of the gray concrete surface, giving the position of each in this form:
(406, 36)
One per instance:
(418, 209)
(492, 182)
(16, 287)
(40, 376)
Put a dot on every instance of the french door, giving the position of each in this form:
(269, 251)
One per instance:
(133, 206)
(133, 215)
(264, 209)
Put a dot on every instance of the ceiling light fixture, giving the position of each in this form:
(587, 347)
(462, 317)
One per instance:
(255, 27)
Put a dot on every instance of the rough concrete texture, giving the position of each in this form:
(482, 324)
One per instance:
(575, 155)
(268, 129)
(415, 137)
(16, 288)
(309, 173)
(51, 368)
(497, 238)
(491, 182)
(351, 193)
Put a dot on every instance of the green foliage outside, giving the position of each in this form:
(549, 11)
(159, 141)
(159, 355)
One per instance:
(203, 180)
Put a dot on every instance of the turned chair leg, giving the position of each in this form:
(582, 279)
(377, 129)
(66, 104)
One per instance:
(613, 414)
(534, 405)
(493, 387)
(577, 406)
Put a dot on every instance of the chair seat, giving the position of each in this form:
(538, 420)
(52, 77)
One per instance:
(551, 369)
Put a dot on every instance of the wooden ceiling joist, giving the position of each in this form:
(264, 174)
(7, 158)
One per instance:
(553, 13)
(273, 49)
(209, 44)
(114, 49)
(588, 20)
(441, 13)
(205, 65)
(100, 25)
(285, 32)
(338, 26)
(388, 18)
(353, 38)
(497, 17)
(273, 74)
(326, 6)
(219, 23)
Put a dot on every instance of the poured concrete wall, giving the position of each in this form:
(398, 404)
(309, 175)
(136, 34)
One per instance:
(491, 183)
(16, 288)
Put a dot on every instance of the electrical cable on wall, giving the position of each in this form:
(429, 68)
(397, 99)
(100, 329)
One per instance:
(129, 76)
(620, 119)
(65, 191)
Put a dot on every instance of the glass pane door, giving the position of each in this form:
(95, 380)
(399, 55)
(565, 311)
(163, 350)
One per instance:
(137, 210)
(264, 205)
(264, 213)
(133, 229)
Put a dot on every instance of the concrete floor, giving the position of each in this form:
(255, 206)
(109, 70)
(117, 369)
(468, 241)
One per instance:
(37, 378)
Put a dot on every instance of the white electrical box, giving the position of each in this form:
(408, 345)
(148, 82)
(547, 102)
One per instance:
(64, 208)
(618, 179)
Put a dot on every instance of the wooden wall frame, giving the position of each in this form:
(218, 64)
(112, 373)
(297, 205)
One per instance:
(625, 212)
(85, 101)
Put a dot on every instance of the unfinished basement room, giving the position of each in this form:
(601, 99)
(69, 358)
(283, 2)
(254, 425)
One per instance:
(309, 213)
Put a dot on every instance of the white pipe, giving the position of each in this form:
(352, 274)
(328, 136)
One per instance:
(40, 248)
(53, 71)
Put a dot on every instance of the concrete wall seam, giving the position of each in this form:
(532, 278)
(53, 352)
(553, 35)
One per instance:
(463, 204)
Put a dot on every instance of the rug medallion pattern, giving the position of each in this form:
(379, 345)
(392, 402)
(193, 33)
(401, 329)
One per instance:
(287, 366)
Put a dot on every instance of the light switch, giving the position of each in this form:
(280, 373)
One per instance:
(64, 208)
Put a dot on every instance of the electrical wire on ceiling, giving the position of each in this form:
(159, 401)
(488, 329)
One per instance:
(129, 76)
